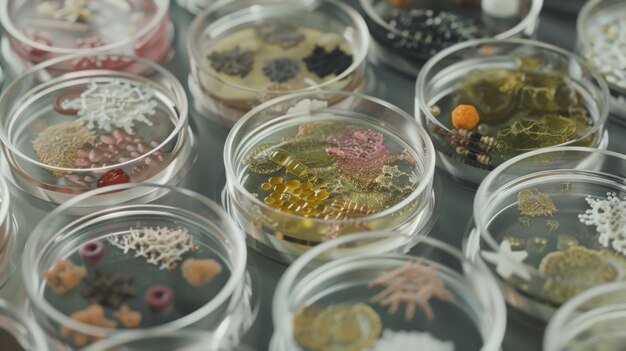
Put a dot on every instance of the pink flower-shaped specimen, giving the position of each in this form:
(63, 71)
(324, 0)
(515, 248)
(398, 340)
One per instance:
(413, 284)
(359, 150)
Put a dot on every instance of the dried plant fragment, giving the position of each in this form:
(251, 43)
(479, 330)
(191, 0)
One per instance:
(128, 317)
(609, 217)
(200, 272)
(57, 145)
(115, 104)
(552, 225)
(281, 70)
(576, 269)
(413, 284)
(235, 62)
(324, 63)
(108, 289)
(162, 247)
(92, 315)
(64, 276)
(533, 203)
(337, 327)
(280, 33)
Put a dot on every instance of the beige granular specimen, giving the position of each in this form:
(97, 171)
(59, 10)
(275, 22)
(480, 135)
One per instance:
(341, 327)
(533, 203)
(128, 317)
(200, 272)
(64, 276)
(57, 145)
(576, 269)
(92, 315)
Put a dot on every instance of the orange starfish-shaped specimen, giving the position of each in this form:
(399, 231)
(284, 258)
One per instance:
(413, 284)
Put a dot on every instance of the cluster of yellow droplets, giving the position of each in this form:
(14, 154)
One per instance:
(296, 197)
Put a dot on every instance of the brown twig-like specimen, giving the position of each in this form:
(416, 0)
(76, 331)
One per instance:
(413, 284)
(64, 276)
(108, 289)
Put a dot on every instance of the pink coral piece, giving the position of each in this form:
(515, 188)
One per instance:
(359, 150)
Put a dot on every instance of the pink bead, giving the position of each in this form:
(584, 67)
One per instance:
(154, 143)
(118, 134)
(92, 252)
(143, 148)
(138, 170)
(159, 298)
(107, 139)
(96, 165)
(131, 148)
(128, 139)
(135, 154)
(96, 155)
(82, 162)
(84, 153)
(124, 159)
(112, 148)
(138, 140)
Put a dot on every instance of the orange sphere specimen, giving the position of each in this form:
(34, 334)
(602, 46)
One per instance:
(465, 117)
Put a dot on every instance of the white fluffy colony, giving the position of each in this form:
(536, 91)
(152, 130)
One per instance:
(162, 247)
(114, 104)
(609, 217)
(401, 340)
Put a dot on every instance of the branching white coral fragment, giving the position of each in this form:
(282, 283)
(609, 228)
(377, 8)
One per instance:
(162, 247)
(115, 104)
(609, 217)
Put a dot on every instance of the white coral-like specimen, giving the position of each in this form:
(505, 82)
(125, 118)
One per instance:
(398, 340)
(162, 246)
(609, 217)
(115, 104)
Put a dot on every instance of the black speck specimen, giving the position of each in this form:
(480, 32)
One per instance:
(323, 63)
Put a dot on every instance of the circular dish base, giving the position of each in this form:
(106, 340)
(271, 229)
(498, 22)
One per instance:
(15, 65)
(528, 307)
(284, 252)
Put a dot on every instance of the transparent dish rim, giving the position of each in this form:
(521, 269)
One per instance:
(231, 151)
(357, 22)
(32, 281)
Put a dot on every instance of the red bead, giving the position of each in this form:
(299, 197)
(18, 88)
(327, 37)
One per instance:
(112, 177)
(92, 252)
(159, 298)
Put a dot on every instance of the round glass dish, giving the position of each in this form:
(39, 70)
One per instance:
(8, 237)
(180, 340)
(65, 134)
(246, 52)
(300, 171)
(485, 101)
(593, 320)
(549, 223)
(37, 31)
(407, 33)
(176, 263)
(18, 332)
(382, 299)
(601, 41)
